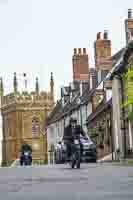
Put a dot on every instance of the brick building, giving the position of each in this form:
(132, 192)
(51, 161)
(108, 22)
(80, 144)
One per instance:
(80, 65)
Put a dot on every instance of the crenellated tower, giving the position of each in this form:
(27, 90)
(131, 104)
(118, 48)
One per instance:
(23, 115)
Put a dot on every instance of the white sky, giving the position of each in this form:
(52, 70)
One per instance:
(38, 36)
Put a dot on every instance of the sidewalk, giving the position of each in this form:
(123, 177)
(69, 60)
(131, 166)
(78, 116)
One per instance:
(15, 163)
(121, 162)
(107, 158)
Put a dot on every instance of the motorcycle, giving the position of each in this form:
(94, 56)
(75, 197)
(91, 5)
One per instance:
(76, 154)
(26, 158)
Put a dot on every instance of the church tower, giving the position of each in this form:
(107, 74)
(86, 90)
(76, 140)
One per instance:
(23, 115)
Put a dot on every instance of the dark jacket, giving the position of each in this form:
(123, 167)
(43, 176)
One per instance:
(69, 133)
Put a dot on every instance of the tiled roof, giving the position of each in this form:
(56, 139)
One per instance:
(100, 108)
(117, 56)
(127, 52)
(122, 59)
(59, 111)
(55, 113)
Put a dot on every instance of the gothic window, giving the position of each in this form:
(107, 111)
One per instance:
(35, 126)
(8, 126)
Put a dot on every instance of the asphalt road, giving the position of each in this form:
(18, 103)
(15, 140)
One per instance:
(91, 182)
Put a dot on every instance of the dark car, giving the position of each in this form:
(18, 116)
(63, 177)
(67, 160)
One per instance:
(88, 155)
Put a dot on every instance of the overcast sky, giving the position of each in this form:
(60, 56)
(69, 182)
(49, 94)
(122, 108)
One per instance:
(38, 36)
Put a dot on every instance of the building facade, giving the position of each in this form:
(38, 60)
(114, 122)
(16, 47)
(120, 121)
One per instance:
(99, 107)
(23, 115)
(123, 131)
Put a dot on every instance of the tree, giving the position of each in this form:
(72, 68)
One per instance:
(128, 78)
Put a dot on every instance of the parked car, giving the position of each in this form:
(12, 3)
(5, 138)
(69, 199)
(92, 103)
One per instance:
(88, 155)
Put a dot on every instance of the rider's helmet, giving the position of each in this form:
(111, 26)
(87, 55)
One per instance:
(73, 120)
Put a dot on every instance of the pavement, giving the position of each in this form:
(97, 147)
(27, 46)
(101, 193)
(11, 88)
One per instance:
(51, 182)
(15, 163)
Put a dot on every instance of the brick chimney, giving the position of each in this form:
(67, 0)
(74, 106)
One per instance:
(103, 61)
(129, 27)
(80, 65)
(102, 52)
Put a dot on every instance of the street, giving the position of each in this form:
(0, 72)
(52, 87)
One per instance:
(92, 181)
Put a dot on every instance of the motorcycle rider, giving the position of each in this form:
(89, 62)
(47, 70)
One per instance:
(25, 148)
(72, 129)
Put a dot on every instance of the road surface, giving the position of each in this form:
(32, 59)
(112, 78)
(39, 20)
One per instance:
(91, 182)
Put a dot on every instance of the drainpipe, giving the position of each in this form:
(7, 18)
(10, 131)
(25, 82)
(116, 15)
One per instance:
(112, 138)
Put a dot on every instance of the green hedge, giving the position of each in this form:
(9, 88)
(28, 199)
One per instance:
(130, 116)
(7, 163)
(37, 162)
(40, 162)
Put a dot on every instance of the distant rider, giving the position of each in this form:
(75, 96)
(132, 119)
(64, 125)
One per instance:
(25, 148)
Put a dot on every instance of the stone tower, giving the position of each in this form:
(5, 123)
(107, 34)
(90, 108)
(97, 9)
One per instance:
(103, 61)
(129, 27)
(23, 115)
(80, 65)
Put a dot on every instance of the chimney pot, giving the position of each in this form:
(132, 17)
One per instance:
(98, 35)
(84, 50)
(129, 13)
(75, 51)
(79, 50)
(105, 35)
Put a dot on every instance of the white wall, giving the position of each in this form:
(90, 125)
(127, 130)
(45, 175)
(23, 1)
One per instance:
(108, 94)
(131, 134)
(84, 117)
(89, 108)
(51, 138)
(116, 100)
(55, 132)
(67, 120)
(61, 129)
(51, 135)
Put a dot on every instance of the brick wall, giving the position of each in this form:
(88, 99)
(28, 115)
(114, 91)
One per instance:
(102, 47)
(80, 65)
